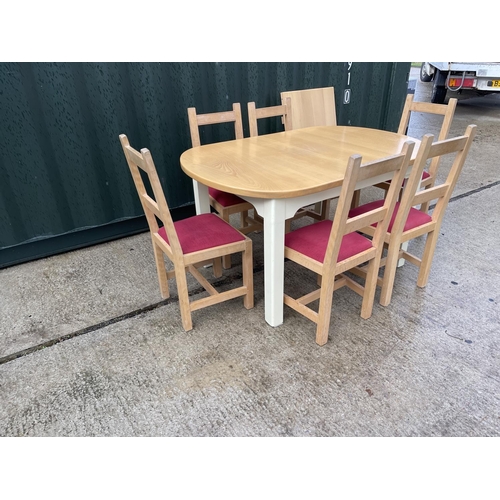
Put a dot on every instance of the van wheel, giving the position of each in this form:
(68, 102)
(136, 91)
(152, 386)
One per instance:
(424, 76)
(438, 94)
(439, 87)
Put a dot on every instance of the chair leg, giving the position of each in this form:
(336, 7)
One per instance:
(226, 259)
(325, 209)
(355, 199)
(217, 267)
(162, 271)
(370, 288)
(391, 265)
(182, 291)
(247, 269)
(324, 310)
(424, 207)
(425, 266)
(243, 218)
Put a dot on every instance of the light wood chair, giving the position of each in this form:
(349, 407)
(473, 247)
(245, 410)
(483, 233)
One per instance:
(225, 204)
(285, 112)
(447, 111)
(188, 243)
(312, 108)
(254, 114)
(332, 248)
(407, 222)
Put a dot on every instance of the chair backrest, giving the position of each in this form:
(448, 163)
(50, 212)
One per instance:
(254, 114)
(356, 172)
(197, 120)
(157, 208)
(457, 146)
(311, 107)
(445, 110)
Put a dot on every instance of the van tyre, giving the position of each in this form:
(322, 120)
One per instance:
(438, 94)
(424, 76)
(439, 88)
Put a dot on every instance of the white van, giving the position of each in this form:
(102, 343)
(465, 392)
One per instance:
(483, 78)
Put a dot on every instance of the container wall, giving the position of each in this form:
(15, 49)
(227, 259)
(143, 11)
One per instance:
(64, 182)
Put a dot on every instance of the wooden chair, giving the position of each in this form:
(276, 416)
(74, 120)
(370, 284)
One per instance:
(254, 114)
(188, 243)
(410, 107)
(285, 112)
(332, 248)
(312, 108)
(224, 203)
(407, 222)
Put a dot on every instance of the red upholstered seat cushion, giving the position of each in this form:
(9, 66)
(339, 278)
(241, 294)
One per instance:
(415, 217)
(225, 199)
(203, 231)
(312, 241)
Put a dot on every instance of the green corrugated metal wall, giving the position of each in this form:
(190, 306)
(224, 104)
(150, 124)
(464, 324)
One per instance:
(64, 182)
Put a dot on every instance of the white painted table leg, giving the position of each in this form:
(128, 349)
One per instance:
(404, 246)
(201, 199)
(274, 259)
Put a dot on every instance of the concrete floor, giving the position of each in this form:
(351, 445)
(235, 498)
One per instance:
(115, 360)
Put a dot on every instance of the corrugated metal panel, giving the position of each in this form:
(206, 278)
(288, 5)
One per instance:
(63, 180)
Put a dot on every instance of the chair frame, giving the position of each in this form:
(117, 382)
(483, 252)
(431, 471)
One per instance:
(254, 114)
(247, 224)
(157, 209)
(412, 197)
(285, 112)
(319, 110)
(412, 106)
(313, 107)
(330, 271)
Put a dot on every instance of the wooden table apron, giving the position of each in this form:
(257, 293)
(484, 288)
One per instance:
(280, 173)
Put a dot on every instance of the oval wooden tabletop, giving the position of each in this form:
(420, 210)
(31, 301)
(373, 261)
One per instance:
(288, 164)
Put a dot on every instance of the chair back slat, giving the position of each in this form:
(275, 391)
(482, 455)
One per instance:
(151, 204)
(361, 221)
(378, 167)
(136, 158)
(430, 194)
(311, 107)
(198, 120)
(443, 147)
(255, 114)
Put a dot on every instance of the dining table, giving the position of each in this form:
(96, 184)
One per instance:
(280, 173)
